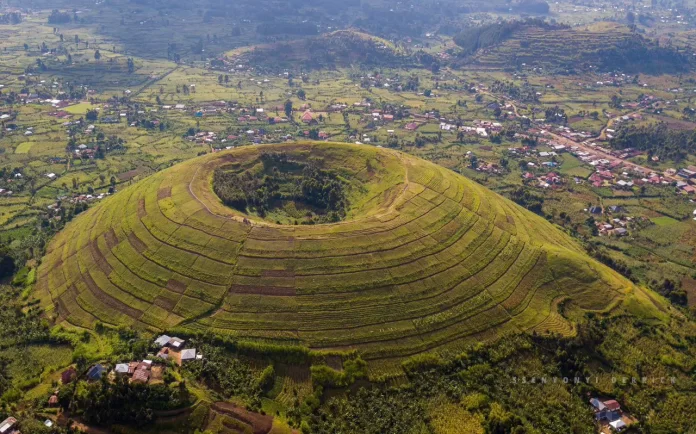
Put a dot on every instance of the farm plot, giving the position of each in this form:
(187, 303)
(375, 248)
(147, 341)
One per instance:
(424, 260)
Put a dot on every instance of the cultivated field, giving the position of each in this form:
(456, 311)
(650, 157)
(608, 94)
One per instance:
(427, 259)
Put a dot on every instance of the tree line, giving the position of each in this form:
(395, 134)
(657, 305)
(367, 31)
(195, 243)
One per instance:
(657, 140)
(11, 18)
(282, 179)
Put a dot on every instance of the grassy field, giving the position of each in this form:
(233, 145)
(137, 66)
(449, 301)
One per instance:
(461, 263)
(664, 221)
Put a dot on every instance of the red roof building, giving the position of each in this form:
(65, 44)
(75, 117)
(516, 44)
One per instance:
(612, 405)
(141, 376)
(307, 117)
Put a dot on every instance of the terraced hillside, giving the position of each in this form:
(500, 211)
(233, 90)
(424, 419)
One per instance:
(424, 259)
(606, 46)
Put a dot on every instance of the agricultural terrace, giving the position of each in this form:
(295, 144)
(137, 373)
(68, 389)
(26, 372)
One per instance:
(426, 259)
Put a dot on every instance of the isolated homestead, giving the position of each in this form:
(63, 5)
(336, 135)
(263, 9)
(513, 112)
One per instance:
(609, 410)
(307, 117)
(95, 372)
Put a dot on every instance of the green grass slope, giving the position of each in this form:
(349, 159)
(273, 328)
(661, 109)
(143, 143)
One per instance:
(342, 48)
(425, 260)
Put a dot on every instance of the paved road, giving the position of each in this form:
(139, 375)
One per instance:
(571, 143)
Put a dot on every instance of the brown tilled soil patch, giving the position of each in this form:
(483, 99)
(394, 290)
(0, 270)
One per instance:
(689, 285)
(164, 193)
(176, 286)
(63, 311)
(125, 176)
(111, 238)
(277, 273)
(134, 241)
(263, 290)
(57, 264)
(261, 424)
(70, 294)
(164, 302)
(142, 212)
(109, 300)
(99, 257)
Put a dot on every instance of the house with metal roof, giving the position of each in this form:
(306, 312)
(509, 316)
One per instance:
(8, 425)
(162, 340)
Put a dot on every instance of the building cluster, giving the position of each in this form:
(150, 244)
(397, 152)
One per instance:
(142, 372)
(549, 180)
(687, 184)
(616, 224)
(480, 128)
(146, 371)
(610, 416)
(173, 348)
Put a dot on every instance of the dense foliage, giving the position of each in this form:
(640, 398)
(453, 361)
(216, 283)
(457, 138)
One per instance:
(371, 411)
(475, 38)
(524, 93)
(282, 180)
(7, 263)
(528, 199)
(58, 17)
(640, 55)
(19, 326)
(658, 140)
(11, 18)
(500, 388)
(106, 403)
(229, 375)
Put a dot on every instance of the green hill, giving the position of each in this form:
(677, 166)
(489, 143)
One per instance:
(341, 48)
(605, 46)
(421, 259)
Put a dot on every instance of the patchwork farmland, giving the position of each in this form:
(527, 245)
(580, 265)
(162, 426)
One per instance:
(425, 259)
